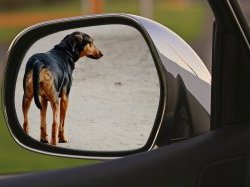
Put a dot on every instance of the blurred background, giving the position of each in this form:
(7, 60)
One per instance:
(188, 18)
(191, 19)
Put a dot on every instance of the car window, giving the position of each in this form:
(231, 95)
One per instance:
(192, 20)
(245, 5)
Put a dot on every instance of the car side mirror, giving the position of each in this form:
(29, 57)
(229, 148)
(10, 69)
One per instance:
(103, 86)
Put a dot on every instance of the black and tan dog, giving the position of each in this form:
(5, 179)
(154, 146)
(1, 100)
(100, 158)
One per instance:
(48, 78)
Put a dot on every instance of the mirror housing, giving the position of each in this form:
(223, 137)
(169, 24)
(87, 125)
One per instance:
(185, 84)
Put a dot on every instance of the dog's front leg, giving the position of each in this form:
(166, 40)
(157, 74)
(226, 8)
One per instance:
(55, 109)
(63, 109)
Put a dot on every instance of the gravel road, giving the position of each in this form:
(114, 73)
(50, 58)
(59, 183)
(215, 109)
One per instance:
(113, 100)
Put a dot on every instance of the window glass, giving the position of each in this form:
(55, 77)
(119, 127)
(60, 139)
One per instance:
(245, 5)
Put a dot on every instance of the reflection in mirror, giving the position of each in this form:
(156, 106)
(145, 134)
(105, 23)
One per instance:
(113, 100)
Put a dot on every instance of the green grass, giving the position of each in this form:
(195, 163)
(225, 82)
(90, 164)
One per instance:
(69, 6)
(121, 6)
(8, 34)
(15, 159)
(186, 21)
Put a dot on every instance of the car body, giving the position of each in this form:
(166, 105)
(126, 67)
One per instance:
(216, 158)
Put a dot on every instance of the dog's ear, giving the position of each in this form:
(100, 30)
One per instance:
(77, 39)
(87, 39)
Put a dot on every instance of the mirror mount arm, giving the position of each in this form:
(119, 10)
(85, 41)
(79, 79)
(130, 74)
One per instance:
(177, 124)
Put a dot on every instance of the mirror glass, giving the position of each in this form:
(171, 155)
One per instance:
(104, 97)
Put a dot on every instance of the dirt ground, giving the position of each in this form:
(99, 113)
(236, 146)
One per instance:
(113, 100)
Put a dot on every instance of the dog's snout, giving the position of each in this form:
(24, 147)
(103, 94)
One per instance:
(98, 53)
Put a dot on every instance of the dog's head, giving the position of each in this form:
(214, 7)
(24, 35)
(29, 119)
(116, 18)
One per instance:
(79, 45)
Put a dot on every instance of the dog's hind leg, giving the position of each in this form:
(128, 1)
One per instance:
(25, 107)
(27, 98)
(43, 135)
(55, 109)
(63, 110)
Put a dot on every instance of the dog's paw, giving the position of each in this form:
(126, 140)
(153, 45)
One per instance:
(53, 141)
(44, 141)
(63, 140)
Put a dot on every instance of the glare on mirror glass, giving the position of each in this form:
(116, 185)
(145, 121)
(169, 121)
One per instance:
(114, 96)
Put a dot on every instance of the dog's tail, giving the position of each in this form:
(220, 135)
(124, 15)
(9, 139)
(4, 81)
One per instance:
(38, 65)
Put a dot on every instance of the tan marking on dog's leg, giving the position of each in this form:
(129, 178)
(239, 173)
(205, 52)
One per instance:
(48, 91)
(63, 110)
(28, 92)
(25, 108)
(27, 98)
(47, 88)
(43, 135)
(55, 109)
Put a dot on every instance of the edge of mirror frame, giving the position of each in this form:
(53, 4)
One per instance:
(26, 38)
